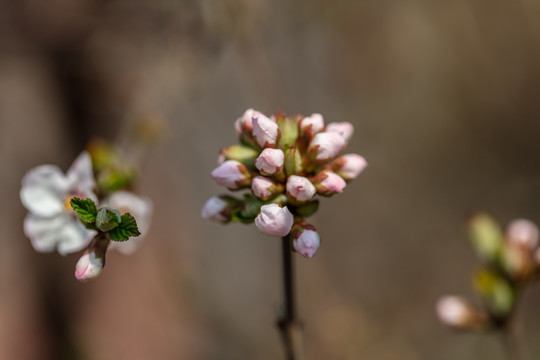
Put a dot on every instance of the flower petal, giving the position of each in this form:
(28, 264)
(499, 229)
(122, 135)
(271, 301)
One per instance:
(73, 236)
(80, 175)
(43, 190)
(140, 208)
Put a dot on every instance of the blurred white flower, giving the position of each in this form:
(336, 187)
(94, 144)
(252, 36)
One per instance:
(140, 208)
(46, 193)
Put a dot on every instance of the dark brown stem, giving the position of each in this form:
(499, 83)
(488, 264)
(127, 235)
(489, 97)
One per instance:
(509, 340)
(287, 322)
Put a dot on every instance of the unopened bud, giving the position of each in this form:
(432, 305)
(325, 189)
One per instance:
(274, 220)
(232, 174)
(305, 239)
(89, 266)
(328, 183)
(349, 166)
(344, 129)
(310, 125)
(523, 233)
(244, 124)
(326, 146)
(270, 161)
(219, 208)
(264, 188)
(265, 131)
(458, 313)
(300, 188)
(517, 261)
(92, 261)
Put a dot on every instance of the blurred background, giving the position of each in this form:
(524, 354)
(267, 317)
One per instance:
(444, 100)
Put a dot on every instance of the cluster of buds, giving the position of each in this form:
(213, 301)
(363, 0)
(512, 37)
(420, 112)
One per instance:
(283, 162)
(90, 208)
(510, 260)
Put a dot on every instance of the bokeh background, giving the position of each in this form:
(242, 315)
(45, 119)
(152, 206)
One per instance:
(444, 100)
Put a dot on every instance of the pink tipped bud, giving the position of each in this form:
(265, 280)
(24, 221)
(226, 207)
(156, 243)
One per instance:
(274, 220)
(349, 166)
(311, 124)
(265, 131)
(232, 174)
(244, 124)
(328, 183)
(89, 266)
(523, 233)
(216, 209)
(300, 188)
(264, 188)
(270, 161)
(305, 239)
(326, 146)
(457, 312)
(344, 129)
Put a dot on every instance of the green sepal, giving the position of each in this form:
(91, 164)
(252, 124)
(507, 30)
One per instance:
(307, 209)
(126, 228)
(243, 154)
(487, 238)
(496, 292)
(288, 127)
(293, 161)
(85, 209)
(107, 219)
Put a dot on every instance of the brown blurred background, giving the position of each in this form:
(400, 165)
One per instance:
(444, 100)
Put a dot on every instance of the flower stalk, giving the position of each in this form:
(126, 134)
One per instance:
(288, 325)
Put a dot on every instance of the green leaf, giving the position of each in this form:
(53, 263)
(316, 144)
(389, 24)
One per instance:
(85, 209)
(107, 219)
(126, 228)
(487, 238)
(308, 209)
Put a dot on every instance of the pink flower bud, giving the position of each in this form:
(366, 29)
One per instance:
(89, 266)
(305, 239)
(274, 220)
(326, 145)
(232, 175)
(345, 129)
(456, 312)
(328, 183)
(265, 131)
(264, 188)
(523, 233)
(300, 188)
(215, 209)
(244, 124)
(349, 166)
(311, 124)
(270, 161)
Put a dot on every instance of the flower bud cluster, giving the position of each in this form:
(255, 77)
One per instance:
(284, 163)
(510, 260)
